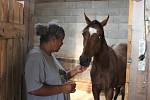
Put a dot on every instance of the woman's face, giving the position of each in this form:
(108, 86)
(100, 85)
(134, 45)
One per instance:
(57, 43)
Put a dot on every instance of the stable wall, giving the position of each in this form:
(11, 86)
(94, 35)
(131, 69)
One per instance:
(70, 15)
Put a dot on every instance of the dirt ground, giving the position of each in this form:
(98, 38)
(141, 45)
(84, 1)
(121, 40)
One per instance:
(83, 92)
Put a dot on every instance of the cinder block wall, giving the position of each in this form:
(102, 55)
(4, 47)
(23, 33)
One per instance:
(70, 15)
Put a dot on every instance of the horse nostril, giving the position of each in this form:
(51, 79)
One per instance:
(84, 61)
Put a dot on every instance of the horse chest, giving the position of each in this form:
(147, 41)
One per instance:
(102, 77)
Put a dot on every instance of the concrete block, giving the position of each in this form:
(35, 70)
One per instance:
(114, 11)
(74, 19)
(84, 4)
(116, 35)
(111, 27)
(71, 5)
(115, 4)
(45, 12)
(89, 11)
(125, 3)
(123, 28)
(50, 5)
(45, 19)
(100, 18)
(62, 5)
(115, 41)
(99, 4)
(102, 11)
(120, 19)
(72, 0)
(69, 12)
(123, 11)
(73, 28)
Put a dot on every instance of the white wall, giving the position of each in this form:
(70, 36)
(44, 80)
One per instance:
(71, 16)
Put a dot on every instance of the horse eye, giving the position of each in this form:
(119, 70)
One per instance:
(84, 33)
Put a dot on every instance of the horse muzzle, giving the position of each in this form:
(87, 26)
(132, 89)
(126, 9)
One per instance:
(85, 61)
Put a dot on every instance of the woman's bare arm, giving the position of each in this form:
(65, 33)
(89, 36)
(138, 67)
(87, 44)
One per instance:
(48, 90)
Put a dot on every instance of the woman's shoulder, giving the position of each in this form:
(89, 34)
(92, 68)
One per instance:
(35, 53)
(35, 50)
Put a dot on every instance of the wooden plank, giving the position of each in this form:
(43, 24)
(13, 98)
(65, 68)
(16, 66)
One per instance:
(4, 10)
(129, 48)
(17, 62)
(26, 22)
(3, 70)
(0, 10)
(11, 11)
(17, 67)
(0, 70)
(9, 69)
(16, 12)
(0, 54)
(12, 71)
(3, 58)
(21, 13)
(20, 63)
(29, 24)
(14, 81)
(137, 35)
(10, 30)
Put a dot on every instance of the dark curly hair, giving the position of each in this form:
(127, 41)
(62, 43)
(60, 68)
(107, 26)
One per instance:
(47, 31)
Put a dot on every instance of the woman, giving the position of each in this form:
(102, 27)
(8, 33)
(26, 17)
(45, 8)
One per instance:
(45, 78)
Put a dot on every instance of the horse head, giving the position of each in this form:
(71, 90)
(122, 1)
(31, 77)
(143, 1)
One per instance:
(93, 36)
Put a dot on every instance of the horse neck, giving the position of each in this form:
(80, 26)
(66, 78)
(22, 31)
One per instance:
(103, 46)
(104, 49)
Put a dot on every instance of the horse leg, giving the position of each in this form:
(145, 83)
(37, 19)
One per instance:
(96, 92)
(109, 94)
(123, 92)
(117, 91)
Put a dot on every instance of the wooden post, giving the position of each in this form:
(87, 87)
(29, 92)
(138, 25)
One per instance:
(129, 49)
(29, 24)
(136, 79)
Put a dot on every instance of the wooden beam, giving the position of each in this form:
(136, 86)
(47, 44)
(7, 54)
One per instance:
(29, 23)
(11, 11)
(3, 69)
(9, 30)
(137, 80)
(16, 12)
(4, 10)
(129, 48)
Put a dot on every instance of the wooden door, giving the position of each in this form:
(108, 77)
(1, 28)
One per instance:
(11, 49)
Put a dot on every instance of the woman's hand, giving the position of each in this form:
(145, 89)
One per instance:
(80, 69)
(69, 87)
(75, 71)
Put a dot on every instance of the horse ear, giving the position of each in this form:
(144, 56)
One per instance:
(88, 21)
(104, 22)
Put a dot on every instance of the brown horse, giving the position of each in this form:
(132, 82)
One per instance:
(108, 72)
